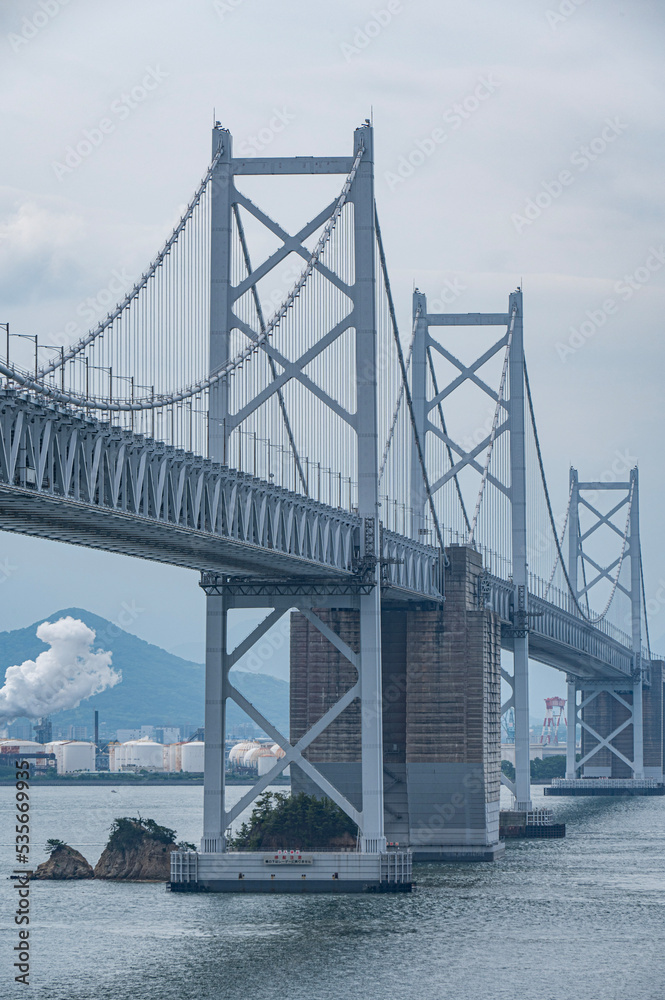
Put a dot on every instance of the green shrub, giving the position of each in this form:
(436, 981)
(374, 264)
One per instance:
(295, 822)
(131, 831)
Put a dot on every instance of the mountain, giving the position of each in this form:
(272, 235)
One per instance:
(157, 688)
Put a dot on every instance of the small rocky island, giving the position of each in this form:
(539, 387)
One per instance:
(138, 850)
(63, 863)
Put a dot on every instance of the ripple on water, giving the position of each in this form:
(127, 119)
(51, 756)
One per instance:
(573, 919)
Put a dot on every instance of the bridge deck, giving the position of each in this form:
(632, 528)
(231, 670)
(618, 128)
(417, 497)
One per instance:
(68, 478)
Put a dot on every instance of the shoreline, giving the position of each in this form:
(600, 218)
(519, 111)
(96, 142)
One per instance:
(119, 779)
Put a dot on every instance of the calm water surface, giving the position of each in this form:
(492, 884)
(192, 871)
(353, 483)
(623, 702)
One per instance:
(575, 919)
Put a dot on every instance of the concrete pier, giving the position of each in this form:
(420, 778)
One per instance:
(441, 717)
(607, 714)
(291, 871)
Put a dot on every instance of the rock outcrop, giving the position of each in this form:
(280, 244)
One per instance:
(64, 863)
(147, 860)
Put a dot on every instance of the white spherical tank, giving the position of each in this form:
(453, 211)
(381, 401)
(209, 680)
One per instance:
(192, 756)
(239, 750)
(76, 756)
(252, 757)
(144, 753)
(277, 750)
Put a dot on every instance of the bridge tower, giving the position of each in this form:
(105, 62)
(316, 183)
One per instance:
(611, 714)
(225, 593)
(510, 418)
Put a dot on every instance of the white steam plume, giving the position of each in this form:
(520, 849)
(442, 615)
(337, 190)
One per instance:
(61, 677)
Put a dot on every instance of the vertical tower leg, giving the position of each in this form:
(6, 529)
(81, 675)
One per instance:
(373, 838)
(571, 733)
(522, 740)
(417, 492)
(638, 730)
(520, 567)
(636, 606)
(220, 292)
(215, 726)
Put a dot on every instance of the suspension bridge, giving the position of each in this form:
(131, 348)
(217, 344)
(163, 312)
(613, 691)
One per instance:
(252, 410)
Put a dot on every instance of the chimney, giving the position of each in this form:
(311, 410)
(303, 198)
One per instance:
(96, 728)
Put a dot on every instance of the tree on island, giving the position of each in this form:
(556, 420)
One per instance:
(52, 844)
(128, 832)
(295, 822)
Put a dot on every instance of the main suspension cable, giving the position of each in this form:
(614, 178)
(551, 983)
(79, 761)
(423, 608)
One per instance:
(405, 381)
(97, 331)
(152, 402)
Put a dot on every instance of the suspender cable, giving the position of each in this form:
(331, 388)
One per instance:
(407, 391)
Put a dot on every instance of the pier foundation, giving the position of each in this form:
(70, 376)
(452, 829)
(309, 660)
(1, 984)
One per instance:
(441, 717)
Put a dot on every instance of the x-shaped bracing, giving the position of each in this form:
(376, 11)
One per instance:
(290, 369)
(468, 373)
(605, 741)
(603, 572)
(293, 754)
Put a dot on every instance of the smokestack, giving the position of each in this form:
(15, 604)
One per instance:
(96, 728)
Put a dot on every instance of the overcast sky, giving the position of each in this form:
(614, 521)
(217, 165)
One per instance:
(516, 142)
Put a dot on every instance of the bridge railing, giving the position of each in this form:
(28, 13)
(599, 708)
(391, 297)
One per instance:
(602, 642)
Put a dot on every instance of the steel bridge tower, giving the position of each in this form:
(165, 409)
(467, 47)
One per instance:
(601, 700)
(511, 416)
(223, 593)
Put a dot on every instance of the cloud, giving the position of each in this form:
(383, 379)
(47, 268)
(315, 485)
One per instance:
(61, 677)
(38, 253)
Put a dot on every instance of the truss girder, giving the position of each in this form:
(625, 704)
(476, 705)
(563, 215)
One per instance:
(560, 638)
(57, 454)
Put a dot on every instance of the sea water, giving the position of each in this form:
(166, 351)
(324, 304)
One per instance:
(581, 918)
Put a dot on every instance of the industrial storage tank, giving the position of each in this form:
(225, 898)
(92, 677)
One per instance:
(239, 750)
(116, 756)
(277, 750)
(174, 757)
(74, 756)
(252, 757)
(192, 756)
(16, 748)
(266, 762)
(20, 746)
(143, 754)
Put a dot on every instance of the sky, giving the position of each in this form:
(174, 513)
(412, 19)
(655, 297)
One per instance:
(516, 144)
